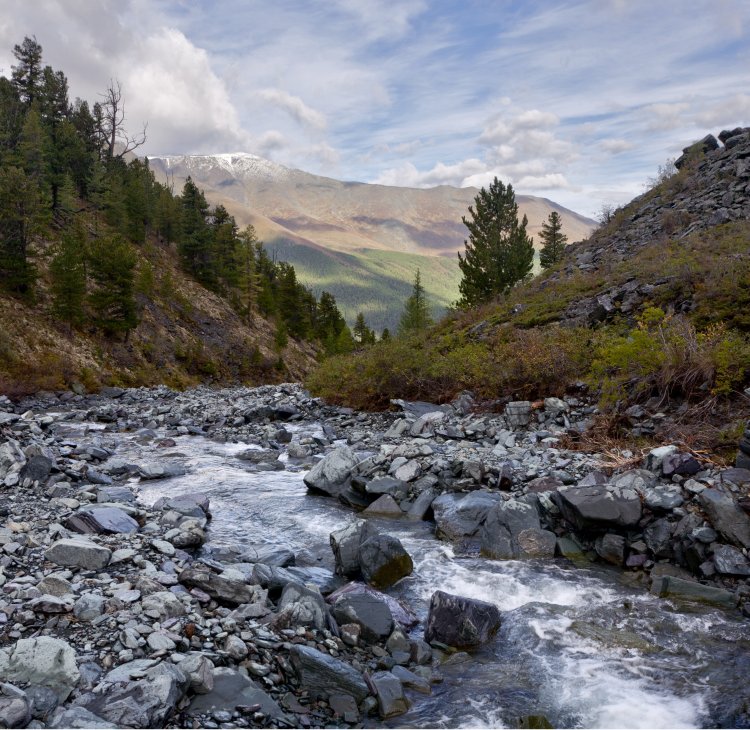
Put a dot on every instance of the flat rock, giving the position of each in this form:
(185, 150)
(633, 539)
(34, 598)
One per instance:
(222, 589)
(230, 689)
(369, 612)
(599, 507)
(101, 521)
(667, 586)
(323, 675)
(78, 552)
(44, 660)
(726, 517)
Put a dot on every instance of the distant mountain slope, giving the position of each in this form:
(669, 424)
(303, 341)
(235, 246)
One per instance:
(360, 241)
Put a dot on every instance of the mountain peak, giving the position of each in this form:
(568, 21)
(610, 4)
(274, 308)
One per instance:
(234, 163)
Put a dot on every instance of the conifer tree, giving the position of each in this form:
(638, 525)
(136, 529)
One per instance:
(112, 271)
(553, 241)
(68, 277)
(416, 315)
(498, 253)
(385, 335)
(194, 245)
(361, 332)
(27, 74)
(248, 278)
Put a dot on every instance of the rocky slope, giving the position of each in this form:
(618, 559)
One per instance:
(362, 242)
(114, 613)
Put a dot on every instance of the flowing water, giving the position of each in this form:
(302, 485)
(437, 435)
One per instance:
(577, 645)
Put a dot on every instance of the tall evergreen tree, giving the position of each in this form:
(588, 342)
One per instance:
(498, 253)
(26, 76)
(553, 240)
(68, 277)
(416, 315)
(361, 332)
(112, 271)
(194, 245)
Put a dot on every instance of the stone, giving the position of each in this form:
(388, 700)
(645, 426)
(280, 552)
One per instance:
(384, 505)
(222, 589)
(163, 605)
(390, 692)
(667, 586)
(387, 485)
(518, 414)
(322, 675)
(345, 546)
(161, 470)
(408, 471)
(302, 606)
(36, 469)
(78, 552)
(458, 517)
(235, 647)
(329, 475)
(730, 561)
(101, 521)
(44, 660)
(599, 507)
(658, 538)
(504, 525)
(422, 505)
(663, 499)
(655, 458)
(12, 460)
(15, 711)
(51, 604)
(611, 548)
(145, 700)
(200, 671)
(401, 613)
(682, 464)
(411, 680)
(43, 701)
(463, 623)
(370, 613)
(77, 717)
(384, 561)
(543, 484)
(278, 556)
(115, 494)
(55, 586)
(159, 641)
(726, 517)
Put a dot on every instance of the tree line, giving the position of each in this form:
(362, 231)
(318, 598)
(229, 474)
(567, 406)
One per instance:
(65, 177)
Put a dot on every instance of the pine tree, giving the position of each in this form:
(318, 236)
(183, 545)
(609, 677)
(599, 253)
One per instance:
(112, 271)
(498, 254)
(416, 315)
(361, 332)
(248, 278)
(68, 277)
(385, 335)
(194, 245)
(27, 74)
(553, 240)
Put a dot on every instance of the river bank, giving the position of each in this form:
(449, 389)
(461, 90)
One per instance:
(207, 574)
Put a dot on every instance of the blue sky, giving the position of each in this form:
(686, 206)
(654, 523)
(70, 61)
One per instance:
(577, 101)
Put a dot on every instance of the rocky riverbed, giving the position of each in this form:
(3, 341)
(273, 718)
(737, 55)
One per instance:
(253, 557)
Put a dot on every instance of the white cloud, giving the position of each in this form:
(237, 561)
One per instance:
(664, 117)
(616, 146)
(734, 110)
(295, 107)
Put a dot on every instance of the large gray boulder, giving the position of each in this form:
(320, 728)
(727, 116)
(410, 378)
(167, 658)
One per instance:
(232, 688)
(390, 691)
(512, 531)
(323, 675)
(161, 470)
(144, 700)
(458, 517)
(44, 660)
(599, 507)
(78, 552)
(463, 623)
(225, 590)
(345, 546)
(77, 717)
(369, 612)
(101, 521)
(302, 606)
(330, 474)
(401, 613)
(384, 561)
(728, 519)
(163, 605)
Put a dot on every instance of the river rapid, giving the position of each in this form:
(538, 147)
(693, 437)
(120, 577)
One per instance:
(577, 645)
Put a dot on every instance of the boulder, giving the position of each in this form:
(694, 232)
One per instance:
(78, 552)
(729, 560)
(15, 708)
(599, 507)
(330, 474)
(230, 689)
(512, 530)
(387, 485)
(301, 606)
(145, 700)
(726, 517)
(77, 717)
(199, 671)
(401, 613)
(667, 586)
(369, 612)
(12, 460)
(390, 692)
(463, 623)
(658, 538)
(384, 506)
(458, 517)
(682, 464)
(322, 675)
(161, 470)
(44, 660)
(383, 561)
(422, 506)
(37, 469)
(101, 521)
(518, 414)
(225, 590)
(277, 556)
(163, 605)
(611, 547)
(345, 546)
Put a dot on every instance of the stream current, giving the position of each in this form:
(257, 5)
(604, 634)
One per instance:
(577, 644)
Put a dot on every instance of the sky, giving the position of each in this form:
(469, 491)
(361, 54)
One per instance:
(579, 101)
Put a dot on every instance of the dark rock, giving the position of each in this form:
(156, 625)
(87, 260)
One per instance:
(658, 538)
(543, 484)
(383, 561)
(323, 675)
(422, 506)
(599, 507)
(670, 587)
(345, 546)
(37, 469)
(611, 548)
(593, 479)
(387, 485)
(726, 517)
(385, 506)
(730, 561)
(391, 699)
(463, 623)
(457, 517)
(681, 464)
(506, 522)
(736, 476)
(369, 612)
(401, 613)
(101, 521)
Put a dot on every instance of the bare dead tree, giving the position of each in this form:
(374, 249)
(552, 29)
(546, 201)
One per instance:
(113, 123)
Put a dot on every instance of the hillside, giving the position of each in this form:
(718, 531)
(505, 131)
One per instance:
(359, 241)
(650, 310)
